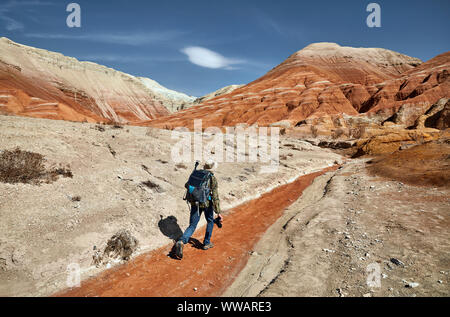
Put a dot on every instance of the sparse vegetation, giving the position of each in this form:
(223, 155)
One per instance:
(153, 186)
(99, 128)
(17, 166)
(357, 132)
(76, 198)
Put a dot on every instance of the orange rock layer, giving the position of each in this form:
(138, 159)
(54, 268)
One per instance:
(324, 79)
(44, 84)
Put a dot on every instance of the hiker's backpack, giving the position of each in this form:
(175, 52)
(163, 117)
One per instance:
(198, 187)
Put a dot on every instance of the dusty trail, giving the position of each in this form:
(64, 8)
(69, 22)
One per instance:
(200, 273)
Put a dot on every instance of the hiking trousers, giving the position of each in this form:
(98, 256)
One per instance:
(194, 219)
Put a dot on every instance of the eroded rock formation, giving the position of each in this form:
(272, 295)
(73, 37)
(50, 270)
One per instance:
(325, 79)
(39, 83)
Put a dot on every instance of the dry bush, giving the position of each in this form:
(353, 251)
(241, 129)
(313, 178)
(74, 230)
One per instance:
(99, 128)
(114, 124)
(121, 245)
(155, 187)
(357, 132)
(17, 166)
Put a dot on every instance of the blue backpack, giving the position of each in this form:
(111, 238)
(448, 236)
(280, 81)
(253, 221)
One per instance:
(198, 186)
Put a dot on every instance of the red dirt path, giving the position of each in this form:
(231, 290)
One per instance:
(210, 272)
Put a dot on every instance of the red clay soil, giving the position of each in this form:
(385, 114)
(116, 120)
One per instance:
(209, 272)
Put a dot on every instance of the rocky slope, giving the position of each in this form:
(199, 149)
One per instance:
(322, 80)
(350, 228)
(219, 92)
(39, 83)
(172, 100)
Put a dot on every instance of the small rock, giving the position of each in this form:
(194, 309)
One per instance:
(412, 285)
(328, 250)
(440, 282)
(397, 262)
(367, 295)
(195, 289)
(384, 275)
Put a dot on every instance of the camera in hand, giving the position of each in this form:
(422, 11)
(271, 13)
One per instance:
(218, 222)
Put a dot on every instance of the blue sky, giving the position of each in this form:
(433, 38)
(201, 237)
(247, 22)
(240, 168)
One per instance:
(198, 46)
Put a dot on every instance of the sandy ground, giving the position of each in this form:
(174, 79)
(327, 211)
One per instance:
(199, 273)
(42, 230)
(349, 227)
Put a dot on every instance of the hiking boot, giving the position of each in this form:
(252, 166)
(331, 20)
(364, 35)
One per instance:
(208, 246)
(179, 249)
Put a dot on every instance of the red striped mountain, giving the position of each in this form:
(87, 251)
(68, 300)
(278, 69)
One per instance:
(324, 79)
(39, 83)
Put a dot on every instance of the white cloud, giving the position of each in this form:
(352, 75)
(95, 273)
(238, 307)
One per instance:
(206, 58)
(11, 24)
(9, 7)
(132, 38)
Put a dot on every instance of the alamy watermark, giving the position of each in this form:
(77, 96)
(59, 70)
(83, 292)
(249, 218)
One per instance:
(374, 18)
(74, 18)
(373, 275)
(73, 275)
(238, 144)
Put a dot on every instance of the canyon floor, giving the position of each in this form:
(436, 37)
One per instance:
(313, 235)
(350, 226)
(122, 178)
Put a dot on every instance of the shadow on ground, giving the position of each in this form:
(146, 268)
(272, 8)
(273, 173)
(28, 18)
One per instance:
(170, 228)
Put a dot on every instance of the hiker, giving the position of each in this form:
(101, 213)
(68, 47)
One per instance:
(210, 205)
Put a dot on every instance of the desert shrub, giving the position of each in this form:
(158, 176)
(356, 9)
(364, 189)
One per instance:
(121, 246)
(155, 187)
(99, 128)
(357, 132)
(17, 166)
(114, 124)
(76, 198)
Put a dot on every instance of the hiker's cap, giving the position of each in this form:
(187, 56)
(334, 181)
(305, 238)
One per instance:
(209, 165)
